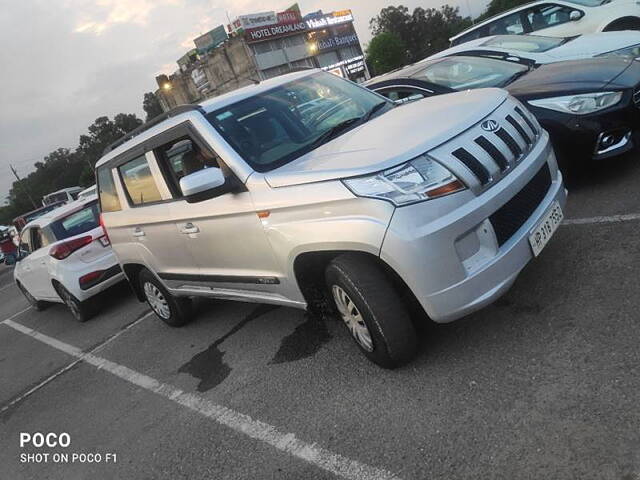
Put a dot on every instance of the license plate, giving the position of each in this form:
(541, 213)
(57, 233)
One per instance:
(546, 228)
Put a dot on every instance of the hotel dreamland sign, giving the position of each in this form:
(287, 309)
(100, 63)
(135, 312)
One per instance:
(274, 31)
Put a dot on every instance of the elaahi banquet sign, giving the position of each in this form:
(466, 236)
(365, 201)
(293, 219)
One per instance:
(274, 31)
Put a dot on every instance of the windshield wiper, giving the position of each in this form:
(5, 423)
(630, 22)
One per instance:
(335, 131)
(367, 116)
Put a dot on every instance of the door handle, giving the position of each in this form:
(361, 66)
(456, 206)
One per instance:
(189, 228)
(138, 232)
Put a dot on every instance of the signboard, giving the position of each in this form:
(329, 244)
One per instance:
(274, 31)
(199, 79)
(351, 65)
(256, 20)
(288, 16)
(333, 18)
(337, 41)
(211, 39)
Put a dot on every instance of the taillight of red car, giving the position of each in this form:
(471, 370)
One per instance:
(64, 249)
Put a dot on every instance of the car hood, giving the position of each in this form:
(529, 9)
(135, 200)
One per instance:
(392, 138)
(592, 44)
(576, 76)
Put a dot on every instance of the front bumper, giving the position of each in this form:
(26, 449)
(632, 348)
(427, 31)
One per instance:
(454, 263)
(577, 137)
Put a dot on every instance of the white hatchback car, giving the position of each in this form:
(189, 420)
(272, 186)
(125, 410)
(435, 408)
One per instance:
(558, 18)
(65, 257)
(542, 50)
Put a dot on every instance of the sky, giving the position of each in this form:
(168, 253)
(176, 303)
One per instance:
(67, 62)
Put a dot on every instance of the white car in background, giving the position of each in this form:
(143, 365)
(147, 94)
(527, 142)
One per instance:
(542, 50)
(560, 18)
(66, 257)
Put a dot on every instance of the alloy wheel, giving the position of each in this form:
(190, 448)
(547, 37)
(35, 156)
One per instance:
(352, 318)
(157, 301)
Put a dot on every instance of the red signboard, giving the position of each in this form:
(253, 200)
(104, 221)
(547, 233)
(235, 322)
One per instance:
(288, 16)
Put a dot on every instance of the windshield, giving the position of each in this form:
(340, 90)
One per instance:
(462, 73)
(78, 222)
(524, 43)
(276, 127)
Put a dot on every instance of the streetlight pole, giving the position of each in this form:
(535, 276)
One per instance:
(22, 185)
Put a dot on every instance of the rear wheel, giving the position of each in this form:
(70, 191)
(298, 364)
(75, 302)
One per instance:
(372, 311)
(173, 311)
(38, 305)
(81, 311)
(623, 24)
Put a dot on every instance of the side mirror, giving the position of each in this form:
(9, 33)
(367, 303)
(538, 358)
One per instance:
(10, 259)
(575, 15)
(203, 185)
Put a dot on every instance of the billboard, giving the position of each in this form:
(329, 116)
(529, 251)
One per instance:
(256, 20)
(211, 39)
(333, 18)
(274, 31)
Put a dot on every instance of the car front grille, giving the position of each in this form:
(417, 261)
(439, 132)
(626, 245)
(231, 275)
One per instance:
(514, 214)
(491, 148)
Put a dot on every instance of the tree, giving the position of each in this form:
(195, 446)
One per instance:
(498, 6)
(151, 106)
(423, 32)
(386, 52)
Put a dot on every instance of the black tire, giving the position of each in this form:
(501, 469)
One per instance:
(623, 24)
(377, 306)
(81, 311)
(178, 311)
(38, 305)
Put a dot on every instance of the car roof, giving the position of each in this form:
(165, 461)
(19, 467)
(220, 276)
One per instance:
(208, 106)
(61, 212)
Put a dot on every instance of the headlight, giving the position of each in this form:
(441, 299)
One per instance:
(415, 181)
(580, 104)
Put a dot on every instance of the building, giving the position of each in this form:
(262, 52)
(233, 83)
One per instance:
(260, 46)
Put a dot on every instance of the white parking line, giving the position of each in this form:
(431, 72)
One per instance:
(239, 422)
(55, 375)
(631, 217)
(7, 286)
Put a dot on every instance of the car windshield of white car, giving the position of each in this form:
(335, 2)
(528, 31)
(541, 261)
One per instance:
(524, 43)
(275, 127)
(77, 223)
(462, 73)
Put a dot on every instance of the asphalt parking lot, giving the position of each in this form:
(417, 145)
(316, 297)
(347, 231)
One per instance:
(543, 384)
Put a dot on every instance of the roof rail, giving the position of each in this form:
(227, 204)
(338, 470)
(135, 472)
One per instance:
(152, 123)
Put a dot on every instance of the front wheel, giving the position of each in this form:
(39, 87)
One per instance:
(173, 311)
(371, 309)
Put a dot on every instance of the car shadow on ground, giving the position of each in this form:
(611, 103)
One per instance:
(582, 175)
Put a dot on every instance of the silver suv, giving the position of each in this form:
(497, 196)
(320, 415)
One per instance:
(308, 184)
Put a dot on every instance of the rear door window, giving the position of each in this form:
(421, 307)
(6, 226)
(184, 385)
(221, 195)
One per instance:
(109, 201)
(77, 223)
(139, 182)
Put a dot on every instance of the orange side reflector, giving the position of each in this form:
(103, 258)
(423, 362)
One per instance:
(263, 213)
(452, 187)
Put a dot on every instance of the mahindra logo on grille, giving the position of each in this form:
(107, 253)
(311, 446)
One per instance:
(490, 126)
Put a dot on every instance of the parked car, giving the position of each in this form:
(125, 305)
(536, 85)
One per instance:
(589, 107)
(64, 195)
(273, 205)
(558, 18)
(20, 221)
(540, 49)
(92, 190)
(65, 257)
